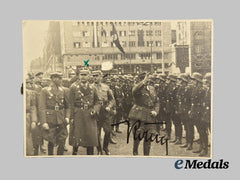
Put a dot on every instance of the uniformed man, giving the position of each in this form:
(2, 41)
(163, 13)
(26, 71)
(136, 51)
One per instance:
(54, 114)
(29, 94)
(207, 100)
(84, 107)
(144, 110)
(181, 110)
(170, 104)
(117, 92)
(36, 132)
(189, 125)
(206, 118)
(107, 102)
(196, 112)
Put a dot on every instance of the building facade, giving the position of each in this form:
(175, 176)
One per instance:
(193, 49)
(146, 45)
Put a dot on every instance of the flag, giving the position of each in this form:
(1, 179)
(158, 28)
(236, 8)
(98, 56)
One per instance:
(115, 39)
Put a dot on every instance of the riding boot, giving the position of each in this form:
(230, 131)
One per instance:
(106, 142)
(75, 150)
(135, 147)
(60, 149)
(90, 150)
(146, 148)
(50, 148)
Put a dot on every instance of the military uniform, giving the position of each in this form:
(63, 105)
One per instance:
(29, 143)
(53, 111)
(118, 95)
(175, 115)
(106, 100)
(83, 128)
(36, 131)
(170, 104)
(145, 103)
(196, 112)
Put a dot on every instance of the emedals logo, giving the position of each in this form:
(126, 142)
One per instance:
(196, 164)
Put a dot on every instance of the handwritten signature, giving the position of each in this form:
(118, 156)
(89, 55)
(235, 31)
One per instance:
(145, 135)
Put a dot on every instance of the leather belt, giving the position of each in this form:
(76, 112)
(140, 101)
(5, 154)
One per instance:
(56, 108)
(84, 106)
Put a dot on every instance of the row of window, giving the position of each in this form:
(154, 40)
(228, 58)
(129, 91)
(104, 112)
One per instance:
(133, 56)
(123, 44)
(121, 33)
(106, 23)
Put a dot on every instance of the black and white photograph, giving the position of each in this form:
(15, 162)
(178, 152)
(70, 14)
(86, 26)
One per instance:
(118, 88)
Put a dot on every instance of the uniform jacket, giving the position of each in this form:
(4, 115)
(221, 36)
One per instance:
(145, 101)
(53, 105)
(83, 101)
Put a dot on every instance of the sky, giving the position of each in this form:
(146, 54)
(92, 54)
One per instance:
(34, 33)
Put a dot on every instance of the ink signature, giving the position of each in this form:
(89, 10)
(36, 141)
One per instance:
(145, 135)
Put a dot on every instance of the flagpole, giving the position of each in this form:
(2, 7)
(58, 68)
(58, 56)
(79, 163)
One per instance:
(163, 70)
(151, 46)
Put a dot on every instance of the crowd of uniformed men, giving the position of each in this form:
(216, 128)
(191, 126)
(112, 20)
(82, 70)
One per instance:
(90, 101)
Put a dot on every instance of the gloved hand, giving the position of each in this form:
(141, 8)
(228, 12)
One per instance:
(154, 113)
(67, 120)
(45, 126)
(33, 125)
(107, 109)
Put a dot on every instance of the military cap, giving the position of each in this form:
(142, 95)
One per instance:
(161, 77)
(172, 77)
(197, 76)
(183, 77)
(56, 74)
(84, 71)
(208, 76)
(28, 80)
(39, 73)
(98, 72)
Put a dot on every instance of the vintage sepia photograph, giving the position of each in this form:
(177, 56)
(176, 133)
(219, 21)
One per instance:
(118, 88)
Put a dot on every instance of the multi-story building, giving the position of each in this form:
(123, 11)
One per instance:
(193, 49)
(146, 45)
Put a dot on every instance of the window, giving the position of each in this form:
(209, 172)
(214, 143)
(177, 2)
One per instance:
(128, 56)
(159, 55)
(157, 23)
(110, 57)
(105, 44)
(124, 44)
(85, 33)
(158, 43)
(131, 33)
(158, 33)
(97, 58)
(149, 43)
(125, 33)
(145, 55)
(76, 44)
(120, 33)
(113, 44)
(149, 33)
(132, 43)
